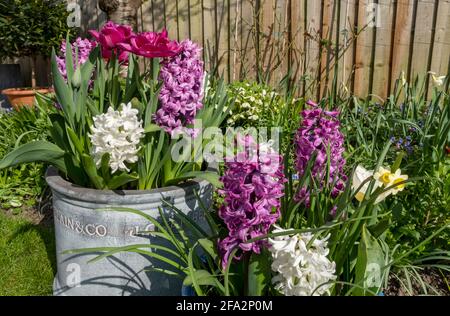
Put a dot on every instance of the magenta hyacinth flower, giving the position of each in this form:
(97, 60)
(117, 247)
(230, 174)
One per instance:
(81, 48)
(182, 92)
(320, 130)
(253, 186)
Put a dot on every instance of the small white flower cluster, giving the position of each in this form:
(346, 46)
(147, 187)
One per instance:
(117, 133)
(303, 269)
(252, 103)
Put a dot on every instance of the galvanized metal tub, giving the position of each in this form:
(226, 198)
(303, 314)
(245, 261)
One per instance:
(79, 224)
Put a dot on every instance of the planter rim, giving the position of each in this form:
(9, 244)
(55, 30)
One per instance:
(26, 91)
(62, 186)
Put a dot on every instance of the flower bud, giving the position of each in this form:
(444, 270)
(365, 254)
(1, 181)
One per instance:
(76, 79)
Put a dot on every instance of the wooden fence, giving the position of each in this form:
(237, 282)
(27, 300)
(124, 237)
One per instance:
(360, 45)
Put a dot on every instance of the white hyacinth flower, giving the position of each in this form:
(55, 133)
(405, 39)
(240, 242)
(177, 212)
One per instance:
(117, 133)
(302, 270)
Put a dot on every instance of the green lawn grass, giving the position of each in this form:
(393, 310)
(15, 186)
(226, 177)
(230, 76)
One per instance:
(27, 257)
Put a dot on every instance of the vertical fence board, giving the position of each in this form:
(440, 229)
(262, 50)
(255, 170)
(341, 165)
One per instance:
(268, 31)
(364, 50)
(159, 14)
(248, 50)
(382, 49)
(441, 51)
(145, 17)
(223, 33)
(183, 17)
(346, 43)
(210, 33)
(235, 36)
(196, 21)
(422, 38)
(402, 36)
(282, 37)
(330, 30)
(313, 20)
(171, 14)
(298, 42)
(327, 43)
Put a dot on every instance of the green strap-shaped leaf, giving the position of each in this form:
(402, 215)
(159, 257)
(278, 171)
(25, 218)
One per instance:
(122, 179)
(210, 248)
(258, 274)
(63, 93)
(39, 151)
(211, 177)
(58, 131)
(105, 170)
(203, 278)
(91, 170)
(150, 128)
(369, 265)
(75, 141)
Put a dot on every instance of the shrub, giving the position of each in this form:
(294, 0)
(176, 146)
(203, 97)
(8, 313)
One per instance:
(23, 184)
(31, 27)
(255, 105)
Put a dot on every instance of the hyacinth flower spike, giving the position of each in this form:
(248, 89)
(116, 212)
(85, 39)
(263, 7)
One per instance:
(253, 186)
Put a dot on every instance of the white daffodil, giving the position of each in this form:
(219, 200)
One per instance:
(403, 79)
(302, 270)
(437, 80)
(117, 133)
(360, 176)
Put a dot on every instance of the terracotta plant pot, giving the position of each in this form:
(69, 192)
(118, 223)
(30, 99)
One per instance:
(19, 97)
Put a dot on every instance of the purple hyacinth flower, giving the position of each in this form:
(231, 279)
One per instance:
(253, 186)
(319, 131)
(182, 91)
(81, 49)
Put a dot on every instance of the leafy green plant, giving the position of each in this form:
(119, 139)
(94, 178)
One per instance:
(419, 130)
(255, 105)
(31, 28)
(21, 185)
